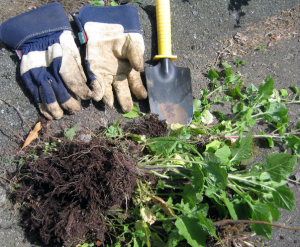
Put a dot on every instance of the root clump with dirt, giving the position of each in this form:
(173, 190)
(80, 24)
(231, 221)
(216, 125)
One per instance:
(65, 194)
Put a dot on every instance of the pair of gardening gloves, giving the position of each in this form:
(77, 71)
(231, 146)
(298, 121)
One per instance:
(51, 64)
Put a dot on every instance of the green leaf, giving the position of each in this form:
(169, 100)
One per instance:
(242, 151)
(206, 117)
(223, 154)
(239, 107)
(295, 89)
(196, 105)
(138, 138)
(220, 115)
(169, 145)
(293, 142)
(213, 146)
(142, 225)
(192, 193)
(212, 75)
(279, 165)
(219, 205)
(275, 112)
(265, 90)
(284, 198)
(133, 113)
(274, 211)
(173, 239)
(229, 205)
(156, 241)
(283, 92)
(195, 230)
(260, 48)
(71, 132)
(113, 3)
(261, 212)
(215, 176)
(96, 3)
(114, 130)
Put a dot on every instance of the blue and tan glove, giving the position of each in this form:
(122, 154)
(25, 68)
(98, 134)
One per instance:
(50, 61)
(114, 52)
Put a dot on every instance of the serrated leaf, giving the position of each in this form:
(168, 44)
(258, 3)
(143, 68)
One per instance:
(293, 142)
(190, 228)
(215, 175)
(284, 198)
(265, 90)
(169, 145)
(261, 212)
(242, 151)
(274, 211)
(279, 165)
(275, 112)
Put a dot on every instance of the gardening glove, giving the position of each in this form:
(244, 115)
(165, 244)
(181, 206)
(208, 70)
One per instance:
(50, 61)
(114, 52)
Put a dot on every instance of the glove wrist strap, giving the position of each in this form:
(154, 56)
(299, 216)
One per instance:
(46, 19)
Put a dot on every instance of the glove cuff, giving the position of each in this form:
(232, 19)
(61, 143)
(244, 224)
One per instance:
(126, 15)
(46, 19)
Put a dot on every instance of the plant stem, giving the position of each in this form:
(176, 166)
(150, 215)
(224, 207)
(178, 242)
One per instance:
(259, 136)
(225, 222)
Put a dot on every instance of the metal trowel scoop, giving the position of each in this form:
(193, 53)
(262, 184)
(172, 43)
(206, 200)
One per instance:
(169, 86)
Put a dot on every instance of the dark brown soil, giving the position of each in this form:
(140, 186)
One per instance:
(150, 126)
(66, 194)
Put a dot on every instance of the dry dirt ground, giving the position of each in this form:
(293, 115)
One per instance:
(204, 34)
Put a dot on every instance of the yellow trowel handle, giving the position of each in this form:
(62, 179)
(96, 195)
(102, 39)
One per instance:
(163, 22)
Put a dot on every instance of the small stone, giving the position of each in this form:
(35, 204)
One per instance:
(195, 12)
(85, 138)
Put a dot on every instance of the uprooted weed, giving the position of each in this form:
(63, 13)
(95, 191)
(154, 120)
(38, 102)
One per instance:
(67, 194)
(64, 196)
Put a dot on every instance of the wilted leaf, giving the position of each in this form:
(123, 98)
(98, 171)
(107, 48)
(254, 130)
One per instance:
(32, 135)
(163, 205)
(148, 215)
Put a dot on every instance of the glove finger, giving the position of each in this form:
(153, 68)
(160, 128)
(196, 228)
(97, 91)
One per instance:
(71, 69)
(97, 83)
(63, 97)
(135, 50)
(42, 93)
(136, 85)
(123, 93)
(108, 97)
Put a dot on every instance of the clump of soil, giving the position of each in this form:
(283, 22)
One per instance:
(64, 195)
(68, 192)
(150, 126)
